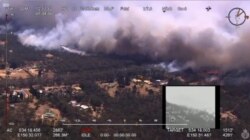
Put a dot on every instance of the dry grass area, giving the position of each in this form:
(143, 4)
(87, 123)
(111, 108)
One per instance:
(33, 72)
(141, 88)
(44, 108)
(2, 73)
(32, 104)
(111, 88)
(228, 116)
(19, 73)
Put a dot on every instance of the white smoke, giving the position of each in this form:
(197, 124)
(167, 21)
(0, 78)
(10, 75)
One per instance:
(73, 50)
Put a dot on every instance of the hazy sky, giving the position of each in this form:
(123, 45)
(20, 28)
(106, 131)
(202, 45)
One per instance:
(202, 98)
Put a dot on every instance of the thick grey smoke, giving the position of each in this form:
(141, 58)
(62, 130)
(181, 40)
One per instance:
(194, 38)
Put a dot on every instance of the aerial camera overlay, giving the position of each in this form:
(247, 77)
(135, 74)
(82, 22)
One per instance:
(124, 69)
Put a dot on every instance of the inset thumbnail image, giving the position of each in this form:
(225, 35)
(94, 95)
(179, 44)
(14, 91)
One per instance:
(190, 106)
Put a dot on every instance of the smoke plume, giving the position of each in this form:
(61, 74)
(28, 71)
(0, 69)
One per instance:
(193, 38)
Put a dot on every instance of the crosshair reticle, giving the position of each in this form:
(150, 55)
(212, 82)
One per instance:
(237, 16)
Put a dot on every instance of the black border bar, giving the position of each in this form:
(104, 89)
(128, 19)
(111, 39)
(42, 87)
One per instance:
(164, 104)
(217, 107)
